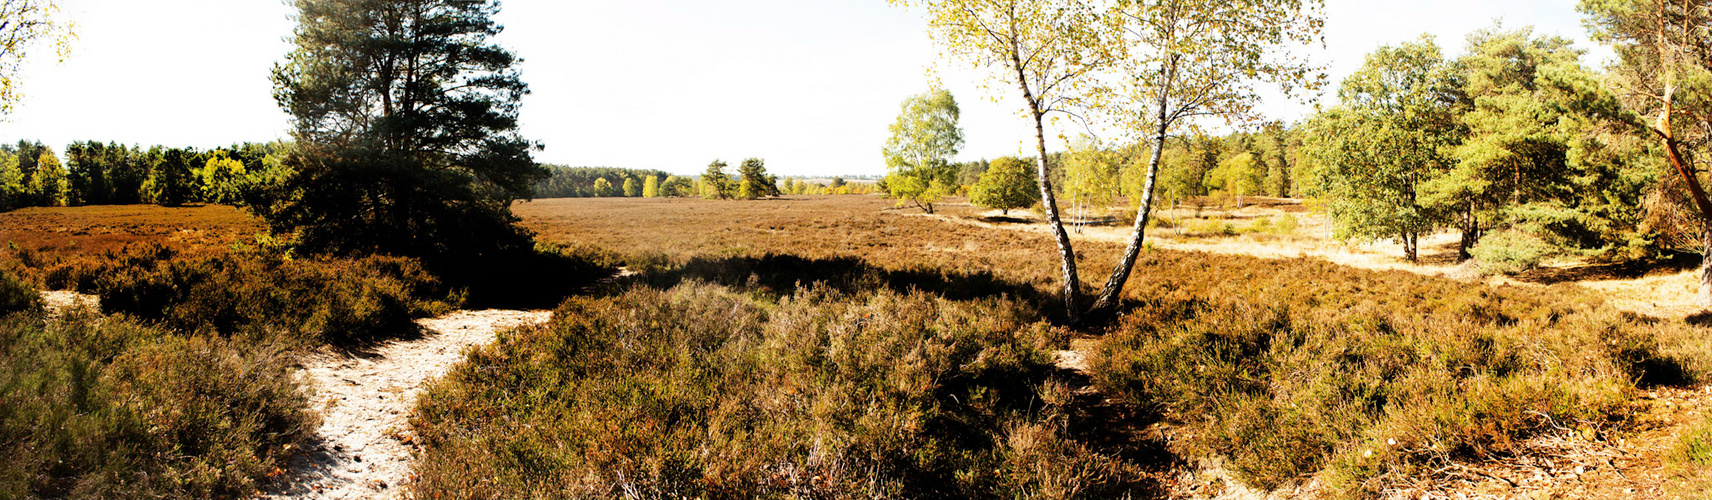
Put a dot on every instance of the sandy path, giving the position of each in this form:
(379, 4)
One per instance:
(362, 448)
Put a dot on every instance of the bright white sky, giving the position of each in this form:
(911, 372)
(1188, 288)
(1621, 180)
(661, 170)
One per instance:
(669, 84)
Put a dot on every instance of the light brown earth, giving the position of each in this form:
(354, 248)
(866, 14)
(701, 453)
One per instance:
(363, 448)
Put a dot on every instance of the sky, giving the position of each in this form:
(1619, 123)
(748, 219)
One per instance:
(808, 85)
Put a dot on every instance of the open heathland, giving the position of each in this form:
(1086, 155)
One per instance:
(834, 347)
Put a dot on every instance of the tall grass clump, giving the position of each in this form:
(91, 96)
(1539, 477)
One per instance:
(706, 391)
(1283, 370)
(99, 407)
(330, 300)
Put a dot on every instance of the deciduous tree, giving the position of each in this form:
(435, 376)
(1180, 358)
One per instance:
(24, 25)
(1187, 59)
(924, 138)
(1390, 136)
(1007, 184)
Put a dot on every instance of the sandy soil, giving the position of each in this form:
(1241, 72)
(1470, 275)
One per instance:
(1662, 293)
(363, 448)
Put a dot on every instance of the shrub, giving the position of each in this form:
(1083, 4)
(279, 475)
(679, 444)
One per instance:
(16, 295)
(107, 408)
(1297, 368)
(1287, 225)
(705, 391)
(1509, 252)
(326, 300)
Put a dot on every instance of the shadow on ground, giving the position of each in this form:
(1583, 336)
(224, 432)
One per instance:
(1615, 271)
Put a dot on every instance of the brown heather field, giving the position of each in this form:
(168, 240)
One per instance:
(834, 347)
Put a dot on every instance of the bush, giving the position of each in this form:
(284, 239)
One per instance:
(16, 295)
(1297, 368)
(107, 408)
(1509, 252)
(331, 300)
(703, 391)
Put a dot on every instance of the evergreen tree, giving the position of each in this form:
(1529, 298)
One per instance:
(715, 183)
(405, 118)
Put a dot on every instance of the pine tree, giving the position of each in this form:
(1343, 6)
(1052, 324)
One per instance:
(405, 118)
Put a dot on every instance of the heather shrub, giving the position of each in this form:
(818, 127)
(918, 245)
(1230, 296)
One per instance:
(1284, 370)
(330, 300)
(103, 407)
(705, 391)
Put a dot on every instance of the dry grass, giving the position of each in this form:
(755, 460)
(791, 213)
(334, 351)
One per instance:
(1336, 360)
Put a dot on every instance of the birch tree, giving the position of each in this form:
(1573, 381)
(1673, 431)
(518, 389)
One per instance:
(1183, 60)
(24, 26)
(1051, 51)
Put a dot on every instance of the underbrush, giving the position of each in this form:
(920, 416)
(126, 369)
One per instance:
(1285, 370)
(708, 391)
(258, 294)
(104, 407)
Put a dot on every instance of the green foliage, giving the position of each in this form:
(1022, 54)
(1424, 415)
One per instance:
(578, 182)
(754, 181)
(1007, 184)
(678, 187)
(1379, 148)
(918, 153)
(1090, 177)
(701, 391)
(716, 184)
(28, 23)
(221, 179)
(47, 185)
(1510, 251)
(14, 192)
(102, 407)
(172, 177)
(423, 162)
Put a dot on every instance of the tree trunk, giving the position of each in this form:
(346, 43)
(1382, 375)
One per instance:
(1120, 274)
(1701, 203)
(1411, 248)
(1066, 253)
(1050, 201)
(1470, 235)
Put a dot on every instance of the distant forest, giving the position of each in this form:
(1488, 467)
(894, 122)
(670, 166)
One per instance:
(585, 182)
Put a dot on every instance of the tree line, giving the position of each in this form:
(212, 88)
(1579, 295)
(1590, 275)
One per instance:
(95, 173)
(751, 181)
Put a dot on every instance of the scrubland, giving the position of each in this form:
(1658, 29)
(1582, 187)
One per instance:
(827, 347)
